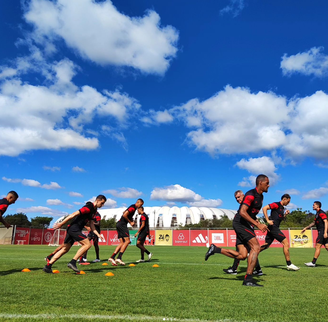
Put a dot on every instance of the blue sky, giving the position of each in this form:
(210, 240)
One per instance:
(177, 102)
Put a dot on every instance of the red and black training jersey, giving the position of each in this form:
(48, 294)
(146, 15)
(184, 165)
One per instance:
(4, 203)
(254, 202)
(87, 213)
(145, 218)
(277, 213)
(97, 219)
(132, 209)
(319, 221)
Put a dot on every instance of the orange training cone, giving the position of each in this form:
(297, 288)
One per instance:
(25, 270)
(109, 274)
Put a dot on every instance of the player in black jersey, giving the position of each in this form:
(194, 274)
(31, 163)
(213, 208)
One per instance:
(239, 196)
(278, 213)
(74, 232)
(321, 223)
(243, 224)
(11, 198)
(142, 234)
(123, 232)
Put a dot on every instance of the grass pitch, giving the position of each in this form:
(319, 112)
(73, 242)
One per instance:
(183, 288)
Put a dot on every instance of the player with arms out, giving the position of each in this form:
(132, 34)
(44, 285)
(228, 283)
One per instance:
(321, 223)
(142, 233)
(74, 232)
(123, 232)
(243, 224)
(10, 199)
(278, 213)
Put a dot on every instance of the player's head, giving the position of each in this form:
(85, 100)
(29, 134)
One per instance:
(12, 196)
(239, 196)
(317, 205)
(100, 201)
(285, 199)
(262, 183)
(139, 203)
(140, 210)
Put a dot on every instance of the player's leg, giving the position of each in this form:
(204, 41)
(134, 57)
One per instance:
(116, 251)
(96, 245)
(63, 250)
(48, 258)
(233, 269)
(316, 255)
(123, 248)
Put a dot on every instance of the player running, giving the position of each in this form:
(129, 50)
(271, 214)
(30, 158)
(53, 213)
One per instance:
(142, 234)
(10, 199)
(123, 232)
(239, 196)
(278, 213)
(321, 223)
(74, 233)
(243, 224)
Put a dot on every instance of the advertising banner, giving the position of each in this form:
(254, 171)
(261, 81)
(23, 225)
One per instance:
(104, 238)
(112, 238)
(36, 236)
(47, 236)
(199, 238)
(299, 240)
(218, 238)
(132, 238)
(152, 238)
(163, 237)
(181, 238)
(314, 237)
(22, 236)
(231, 238)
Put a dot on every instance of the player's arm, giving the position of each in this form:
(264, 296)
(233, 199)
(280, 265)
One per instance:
(143, 224)
(4, 222)
(325, 234)
(265, 211)
(287, 212)
(245, 215)
(308, 227)
(68, 218)
(93, 228)
(125, 215)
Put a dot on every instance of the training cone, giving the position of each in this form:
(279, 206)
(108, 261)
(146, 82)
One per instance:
(104, 264)
(109, 274)
(155, 265)
(56, 271)
(132, 265)
(81, 273)
(25, 270)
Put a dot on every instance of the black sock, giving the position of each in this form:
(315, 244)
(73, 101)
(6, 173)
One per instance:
(248, 277)
(289, 263)
(217, 250)
(235, 264)
(120, 255)
(49, 265)
(314, 260)
(73, 261)
(113, 256)
(258, 266)
(147, 252)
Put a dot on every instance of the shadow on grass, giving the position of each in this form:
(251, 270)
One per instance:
(13, 271)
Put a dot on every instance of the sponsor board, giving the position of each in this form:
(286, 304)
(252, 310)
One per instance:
(218, 237)
(151, 240)
(199, 238)
(35, 236)
(299, 240)
(181, 238)
(22, 236)
(113, 238)
(163, 237)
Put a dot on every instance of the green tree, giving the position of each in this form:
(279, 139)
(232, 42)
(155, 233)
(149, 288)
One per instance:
(298, 218)
(41, 222)
(108, 223)
(19, 219)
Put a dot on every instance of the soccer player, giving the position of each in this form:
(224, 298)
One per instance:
(239, 196)
(243, 224)
(278, 213)
(11, 198)
(321, 223)
(123, 232)
(142, 233)
(74, 233)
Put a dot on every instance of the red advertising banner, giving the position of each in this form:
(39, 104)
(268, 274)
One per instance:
(231, 238)
(35, 236)
(112, 238)
(314, 237)
(62, 236)
(152, 238)
(181, 238)
(104, 239)
(47, 236)
(199, 238)
(22, 236)
(218, 238)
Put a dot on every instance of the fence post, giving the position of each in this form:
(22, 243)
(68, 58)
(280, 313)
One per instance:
(13, 235)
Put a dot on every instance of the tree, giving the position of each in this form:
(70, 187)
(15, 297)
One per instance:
(41, 222)
(298, 218)
(108, 223)
(19, 219)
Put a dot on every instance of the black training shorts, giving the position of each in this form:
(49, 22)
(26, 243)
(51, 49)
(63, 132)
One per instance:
(320, 239)
(122, 230)
(142, 236)
(243, 233)
(92, 236)
(274, 233)
(73, 235)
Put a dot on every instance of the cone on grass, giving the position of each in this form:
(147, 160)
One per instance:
(56, 271)
(132, 265)
(109, 274)
(155, 265)
(25, 270)
(104, 264)
(81, 273)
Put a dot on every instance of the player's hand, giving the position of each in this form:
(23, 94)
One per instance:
(7, 225)
(270, 222)
(132, 223)
(263, 228)
(287, 212)
(325, 235)
(136, 234)
(303, 230)
(57, 226)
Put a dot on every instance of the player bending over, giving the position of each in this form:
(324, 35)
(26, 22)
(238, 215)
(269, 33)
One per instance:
(142, 234)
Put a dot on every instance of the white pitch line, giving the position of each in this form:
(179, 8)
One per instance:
(105, 317)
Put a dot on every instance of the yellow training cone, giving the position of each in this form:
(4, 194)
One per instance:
(104, 264)
(81, 273)
(109, 274)
(132, 265)
(56, 271)
(155, 265)
(25, 270)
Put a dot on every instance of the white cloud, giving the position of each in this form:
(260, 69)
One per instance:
(26, 199)
(77, 203)
(175, 193)
(256, 166)
(316, 193)
(42, 210)
(54, 202)
(110, 203)
(51, 186)
(11, 180)
(53, 169)
(292, 191)
(213, 203)
(234, 7)
(127, 193)
(34, 183)
(313, 62)
(75, 194)
(78, 169)
(157, 117)
(108, 37)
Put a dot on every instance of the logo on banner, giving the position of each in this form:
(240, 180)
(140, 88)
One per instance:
(200, 239)
(36, 237)
(47, 236)
(21, 233)
(217, 238)
(102, 238)
(114, 239)
(302, 239)
(163, 237)
(181, 236)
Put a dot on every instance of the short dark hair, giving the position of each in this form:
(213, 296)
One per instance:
(14, 193)
(142, 208)
(101, 197)
(238, 191)
(141, 200)
(286, 195)
(260, 177)
(318, 203)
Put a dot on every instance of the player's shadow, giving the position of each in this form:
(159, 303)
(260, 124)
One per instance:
(236, 278)
(13, 271)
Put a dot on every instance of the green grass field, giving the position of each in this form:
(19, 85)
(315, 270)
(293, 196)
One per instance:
(183, 288)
